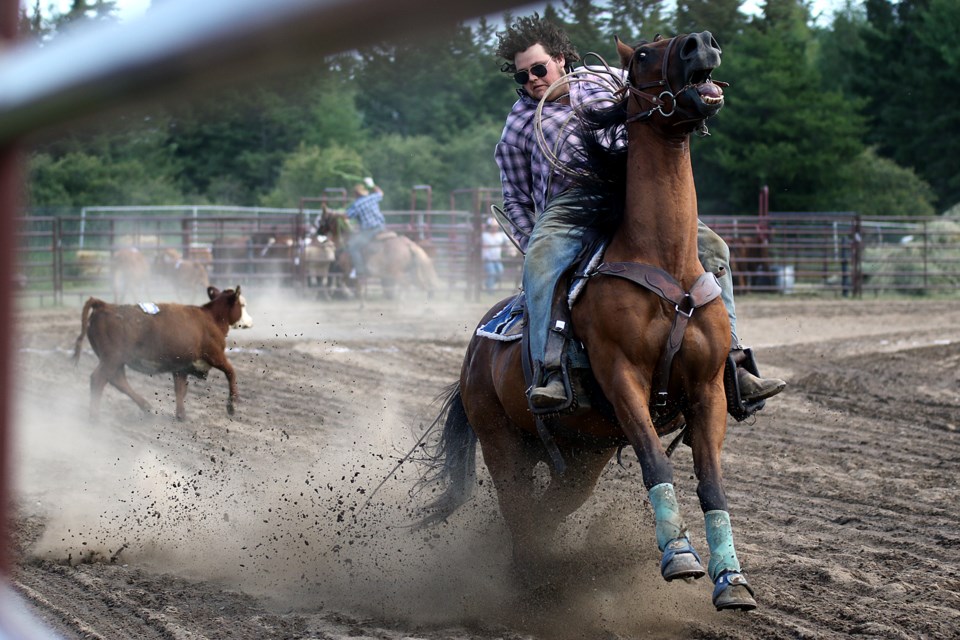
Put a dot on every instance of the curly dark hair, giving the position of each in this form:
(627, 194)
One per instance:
(531, 30)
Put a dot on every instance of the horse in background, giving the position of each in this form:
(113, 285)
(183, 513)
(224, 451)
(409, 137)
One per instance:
(189, 278)
(277, 254)
(750, 263)
(396, 260)
(656, 333)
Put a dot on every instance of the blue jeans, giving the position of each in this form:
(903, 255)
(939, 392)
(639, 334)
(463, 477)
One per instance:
(355, 245)
(554, 245)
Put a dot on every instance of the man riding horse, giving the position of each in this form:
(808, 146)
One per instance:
(536, 197)
(366, 210)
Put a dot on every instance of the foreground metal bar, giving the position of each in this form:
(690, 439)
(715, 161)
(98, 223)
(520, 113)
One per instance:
(187, 45)
(10, 187)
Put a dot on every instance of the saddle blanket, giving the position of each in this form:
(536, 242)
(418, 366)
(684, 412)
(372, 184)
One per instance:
(506, 324)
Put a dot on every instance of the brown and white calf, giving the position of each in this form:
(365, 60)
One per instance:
(179, 339)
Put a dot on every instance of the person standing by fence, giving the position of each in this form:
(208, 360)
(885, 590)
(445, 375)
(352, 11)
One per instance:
(491, 252)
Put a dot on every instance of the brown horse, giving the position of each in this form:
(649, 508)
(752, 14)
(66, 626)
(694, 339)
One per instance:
(395, 259)
(633, 310)
(750, 263)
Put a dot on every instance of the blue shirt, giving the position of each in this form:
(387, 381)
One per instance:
(529, 179)
(366, 209)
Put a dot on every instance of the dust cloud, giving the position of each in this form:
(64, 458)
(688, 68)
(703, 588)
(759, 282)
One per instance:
(304, 502)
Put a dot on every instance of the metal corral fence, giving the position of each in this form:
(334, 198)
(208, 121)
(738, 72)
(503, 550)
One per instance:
(842, 253)
(63, 259)
(66, 258)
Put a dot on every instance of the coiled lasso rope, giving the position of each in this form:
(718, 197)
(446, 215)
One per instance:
(612, 84)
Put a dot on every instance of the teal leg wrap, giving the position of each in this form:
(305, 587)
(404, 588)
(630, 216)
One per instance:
(723, 557)
(666, 511)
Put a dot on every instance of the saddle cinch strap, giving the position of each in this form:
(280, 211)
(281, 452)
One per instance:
(655, 279)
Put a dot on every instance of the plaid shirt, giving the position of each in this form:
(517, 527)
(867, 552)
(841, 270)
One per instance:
(529, 181)
(366, 209)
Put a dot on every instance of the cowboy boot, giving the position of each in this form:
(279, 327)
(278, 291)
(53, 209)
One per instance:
(551, 392)
(753, 388)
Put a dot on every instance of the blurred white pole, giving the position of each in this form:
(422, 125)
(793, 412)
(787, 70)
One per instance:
(185, 45)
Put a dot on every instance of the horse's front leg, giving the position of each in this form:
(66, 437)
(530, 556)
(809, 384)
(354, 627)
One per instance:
(707, 424)
(680, 560)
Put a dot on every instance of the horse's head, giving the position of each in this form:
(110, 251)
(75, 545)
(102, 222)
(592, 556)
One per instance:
(333, 224)
(669, 83)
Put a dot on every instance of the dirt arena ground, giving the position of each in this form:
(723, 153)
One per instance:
(844, 491)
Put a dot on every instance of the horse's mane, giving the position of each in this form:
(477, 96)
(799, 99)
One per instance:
(599, 169)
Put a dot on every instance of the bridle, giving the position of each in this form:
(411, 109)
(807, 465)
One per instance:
(657, 101)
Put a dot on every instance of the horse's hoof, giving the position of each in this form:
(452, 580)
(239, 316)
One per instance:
(732, 591)
(680, 561)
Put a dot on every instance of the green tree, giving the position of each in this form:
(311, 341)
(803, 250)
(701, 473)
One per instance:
(779, 126)
(842, 50)
(907, 70)
(722, 18)
(78, 179)
(238, 138)
(82, 11)
(585, 29)
(32, 25)
(433, 87)
(309, 170)
(877, 186)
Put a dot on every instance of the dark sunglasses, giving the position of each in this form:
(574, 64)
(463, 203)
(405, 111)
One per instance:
(523, 77)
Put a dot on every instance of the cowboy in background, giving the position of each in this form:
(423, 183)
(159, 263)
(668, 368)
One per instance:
(365, 210)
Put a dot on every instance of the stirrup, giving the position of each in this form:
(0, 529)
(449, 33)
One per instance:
(551, 394)
(753, 388)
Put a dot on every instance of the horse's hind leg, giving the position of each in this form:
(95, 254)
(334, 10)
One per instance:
(511, 460)
(568, 492)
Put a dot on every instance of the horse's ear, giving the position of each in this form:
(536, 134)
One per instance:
(625, 51)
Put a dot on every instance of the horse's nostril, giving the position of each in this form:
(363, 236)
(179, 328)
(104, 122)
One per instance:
(689, 48)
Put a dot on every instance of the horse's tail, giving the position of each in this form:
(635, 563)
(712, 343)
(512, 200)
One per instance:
(423, 265)
(84, 325)
(452, 460)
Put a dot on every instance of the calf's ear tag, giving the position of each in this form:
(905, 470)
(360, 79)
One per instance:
(150, 308)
